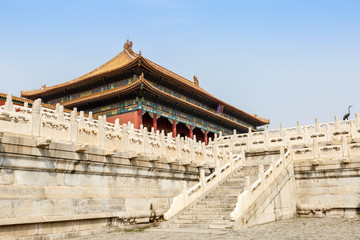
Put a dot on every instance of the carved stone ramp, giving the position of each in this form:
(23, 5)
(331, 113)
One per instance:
(213, 210)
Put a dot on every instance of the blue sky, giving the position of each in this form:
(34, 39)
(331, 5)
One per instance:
(283, 60)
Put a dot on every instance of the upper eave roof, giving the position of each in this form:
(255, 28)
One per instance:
(127, 59)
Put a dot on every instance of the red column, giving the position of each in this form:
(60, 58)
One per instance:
(191, 132)
(174, 128)
(139, 119)
(154, 122)
(205, 137)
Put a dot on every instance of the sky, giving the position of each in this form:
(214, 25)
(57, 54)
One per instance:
(287, 61)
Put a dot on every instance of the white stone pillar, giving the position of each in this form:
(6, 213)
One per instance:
(163, 143)
(266, 138)
(298, 128)
(91, 117)
(231, 157)
(125, 134)
(353, 132)
(9, 106)
(337, 123)
(36, 117)
(317, 125)
(328, 135)
(81, 119)
(145, 135)
(61, 114)
(101, 129)
(249, 143)
(306, 137)
(243, 154)
(357, 120)
(117, 126)
(74, 126)
(282, 152)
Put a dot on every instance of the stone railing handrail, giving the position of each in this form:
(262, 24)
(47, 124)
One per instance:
(188, 196)
(300, 135)
(253, 191)
(56, 124)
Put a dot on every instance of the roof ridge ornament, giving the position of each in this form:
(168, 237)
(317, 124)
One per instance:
(128, 45)
(196, 81)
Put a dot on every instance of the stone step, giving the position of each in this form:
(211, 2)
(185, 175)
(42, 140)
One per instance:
(224, 194)
(211, 213)
(204, 217)
(214, 208)
(201, 221)
(216, 202)
(201, 226)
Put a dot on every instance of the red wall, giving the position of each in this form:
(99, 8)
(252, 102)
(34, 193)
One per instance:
(133, 117)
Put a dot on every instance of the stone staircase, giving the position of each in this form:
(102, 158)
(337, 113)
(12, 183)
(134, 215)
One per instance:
(213, 210)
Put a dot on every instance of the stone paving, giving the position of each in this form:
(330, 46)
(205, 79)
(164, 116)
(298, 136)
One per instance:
(298, 228)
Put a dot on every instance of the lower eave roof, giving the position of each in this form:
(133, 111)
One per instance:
(147, 86)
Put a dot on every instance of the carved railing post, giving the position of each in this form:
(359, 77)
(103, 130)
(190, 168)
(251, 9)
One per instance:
(101, 128)
(283, 134)
(146, 140)
(248, 144)
(179, 141)
(163, 143)
(36, 117)
(117, 126)
(125, 134)
(81, 119)
(353, 132)
(192, 149)
(73, 126)
(306, 137)
(232, 141)
(90, 117)
(282, 152)
(317, 125)
(298, 128)
(357, 120)
(231, 161)
(337, 123)
(328, 135)
(243, 154)
(61, 114)
(266, 138)
(9, 106)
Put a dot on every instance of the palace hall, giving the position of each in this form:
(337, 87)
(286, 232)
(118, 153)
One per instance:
(133, 88)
